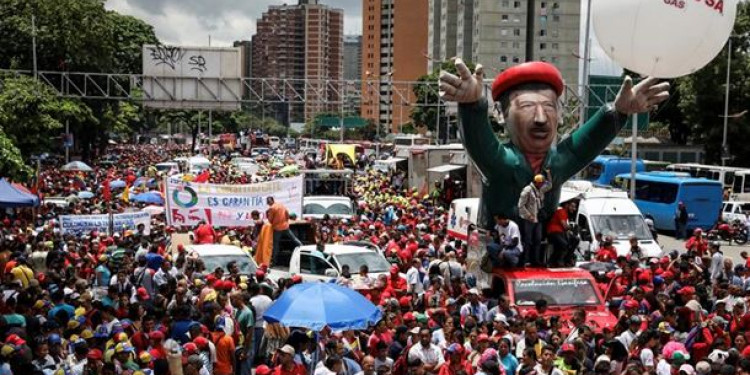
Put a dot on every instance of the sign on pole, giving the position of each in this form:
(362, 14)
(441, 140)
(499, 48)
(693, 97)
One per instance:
(207, 78)
(228, 205)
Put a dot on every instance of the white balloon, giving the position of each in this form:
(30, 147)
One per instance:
(663, 38)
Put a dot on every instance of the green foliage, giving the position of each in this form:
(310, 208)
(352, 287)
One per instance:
(30, 112)
(701, 97)
(426, 111)
(11, 161)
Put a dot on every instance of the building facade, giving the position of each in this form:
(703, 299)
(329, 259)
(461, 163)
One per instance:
(394, 48)
(493, 33)
(352, 57)
(304, 43)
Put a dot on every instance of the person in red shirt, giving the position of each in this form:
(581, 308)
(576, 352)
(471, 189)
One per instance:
(456, 361)
(697, 243)
(204, 234)
(557, 234)
(157, 348)
(224, 350)
(381, 334)
(396, 283)
(287, 365)
(606, 252)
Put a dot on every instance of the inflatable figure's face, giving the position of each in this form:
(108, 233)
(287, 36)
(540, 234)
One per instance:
(533, 120)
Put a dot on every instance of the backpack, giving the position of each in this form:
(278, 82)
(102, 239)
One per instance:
(401, 365)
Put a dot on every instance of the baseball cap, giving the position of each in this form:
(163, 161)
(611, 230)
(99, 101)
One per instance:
(262, 370)
(483, 337)
(567, 348)
(500, 318)
(288, 349)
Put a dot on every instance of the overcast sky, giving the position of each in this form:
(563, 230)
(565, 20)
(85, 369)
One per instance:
(190, 22)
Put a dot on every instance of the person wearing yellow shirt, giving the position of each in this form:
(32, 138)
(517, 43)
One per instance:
(22, 272)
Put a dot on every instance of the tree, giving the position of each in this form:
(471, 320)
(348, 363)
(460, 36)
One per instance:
(30, 112)
(11, 161)
(425, 111)
(701, 97)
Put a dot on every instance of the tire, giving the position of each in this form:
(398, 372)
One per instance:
(741, 238)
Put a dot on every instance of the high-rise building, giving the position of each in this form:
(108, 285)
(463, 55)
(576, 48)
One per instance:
(302, 42)
(442, 32)
(352, 57)
(246, 47)
(394, 42)
(493, 33)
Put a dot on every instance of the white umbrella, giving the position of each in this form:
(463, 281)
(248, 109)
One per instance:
(153, 210)
(77, 166)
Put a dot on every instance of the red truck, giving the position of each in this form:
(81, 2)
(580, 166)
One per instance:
(564, 289)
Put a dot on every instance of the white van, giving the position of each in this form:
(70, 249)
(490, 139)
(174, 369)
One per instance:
(274, 142)
(337, 207)
(197, 164)
(612, 213)
(462, 213)
(734, 210)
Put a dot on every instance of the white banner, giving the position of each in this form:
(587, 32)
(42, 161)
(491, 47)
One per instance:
(229, 205)
(84, 224)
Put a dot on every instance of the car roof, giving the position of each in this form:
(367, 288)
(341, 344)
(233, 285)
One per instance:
(338, 249)
(215, 249)
(337, 198)
(545, 273)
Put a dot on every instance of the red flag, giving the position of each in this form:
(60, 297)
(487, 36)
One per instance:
(203, 176)
(107, 192)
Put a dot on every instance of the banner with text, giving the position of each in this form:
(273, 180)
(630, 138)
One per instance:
(228, 205)
(84, 224)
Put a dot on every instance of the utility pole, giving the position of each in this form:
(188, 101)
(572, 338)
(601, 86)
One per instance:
(633, 154)
(724, 147)
(586, 64)
(530, 15)
(33, 45)
(210, 139)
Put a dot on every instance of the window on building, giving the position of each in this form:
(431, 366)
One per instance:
(503, 32)
(516, 45)
(543, 58)
(517, 32)
(503, 58)
(504, 18)
(555, 46)
(506, 3)
(555, 5)
(556, 18)
(543, 32)
(554, 59)
(516, 60)
(542, 46)
(504, 44)
(516, 4)
(543, 5)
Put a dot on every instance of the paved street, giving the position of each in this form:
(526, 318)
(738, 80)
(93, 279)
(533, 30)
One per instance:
(669, 243)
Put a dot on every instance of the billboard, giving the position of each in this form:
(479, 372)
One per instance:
(207, 78)
(84, 224)
(228, 205)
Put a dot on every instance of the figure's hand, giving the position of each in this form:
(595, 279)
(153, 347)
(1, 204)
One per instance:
(466, 88)
(644, 97)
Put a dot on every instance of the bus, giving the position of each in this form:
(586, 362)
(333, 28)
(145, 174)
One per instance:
(654, 166)
(657, 195)
(725, 175)
(407, 141)
(604, 168)
(741, 185)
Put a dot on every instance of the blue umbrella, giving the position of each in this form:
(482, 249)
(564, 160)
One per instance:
(152, 197)
(85, 194)
(117, 184)
(317, 305)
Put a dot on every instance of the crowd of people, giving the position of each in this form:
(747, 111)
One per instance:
(131, 303)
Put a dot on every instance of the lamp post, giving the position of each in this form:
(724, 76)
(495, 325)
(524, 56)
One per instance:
(724, 149)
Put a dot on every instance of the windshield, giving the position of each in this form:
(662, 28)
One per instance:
(592, 172)
(333, 209)
(621, 227)
(243, 262)
(374, 261)
(560, 292)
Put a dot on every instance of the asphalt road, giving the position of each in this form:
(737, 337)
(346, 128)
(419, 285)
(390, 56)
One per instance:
(732, 251)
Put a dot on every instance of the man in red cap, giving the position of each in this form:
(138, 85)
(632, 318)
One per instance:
(528, 95)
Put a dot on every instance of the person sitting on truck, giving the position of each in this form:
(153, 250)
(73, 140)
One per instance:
(278, 217)
(557, 229)
(636, 253)
(510, 242)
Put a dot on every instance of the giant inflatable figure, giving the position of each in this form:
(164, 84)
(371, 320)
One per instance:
(528, 95)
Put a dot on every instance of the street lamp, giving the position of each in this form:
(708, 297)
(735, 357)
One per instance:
(724, 153)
